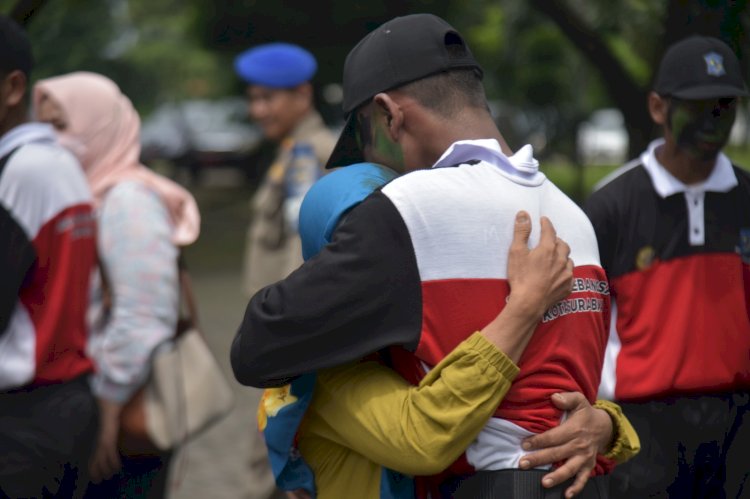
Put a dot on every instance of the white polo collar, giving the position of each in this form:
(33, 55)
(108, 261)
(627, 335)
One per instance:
(25, 134)
(722, 178)
(522, 167)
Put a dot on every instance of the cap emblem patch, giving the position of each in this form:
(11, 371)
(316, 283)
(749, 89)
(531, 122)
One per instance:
(645, 258)
(714, 64)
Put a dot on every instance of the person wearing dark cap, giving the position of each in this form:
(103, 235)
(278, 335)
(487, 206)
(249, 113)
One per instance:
(674, 236)
(48, 414)
(280, 101)
(416, 266)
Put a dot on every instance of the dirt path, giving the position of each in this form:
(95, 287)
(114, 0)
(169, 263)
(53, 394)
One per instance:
(217, 463)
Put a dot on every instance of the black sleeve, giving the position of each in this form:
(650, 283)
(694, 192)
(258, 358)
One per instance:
(17, 255)
(599, 208)
(360, 294)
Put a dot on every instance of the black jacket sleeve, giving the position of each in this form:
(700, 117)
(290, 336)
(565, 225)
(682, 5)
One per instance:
(360, 294)
(17, 256)
(600, 209)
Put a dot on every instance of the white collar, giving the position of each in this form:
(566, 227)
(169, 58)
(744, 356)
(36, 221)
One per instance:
(24, 134)
(522, 167)
(722, 178)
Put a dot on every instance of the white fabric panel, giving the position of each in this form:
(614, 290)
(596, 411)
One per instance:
(696, 218)
(17, 351)
(609, 370)
(28, 180)
(469, 237)
(498, 446)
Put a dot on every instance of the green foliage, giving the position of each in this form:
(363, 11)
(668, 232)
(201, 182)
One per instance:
(623, 49)
(148, 47)
(161, 50)
(574, 180)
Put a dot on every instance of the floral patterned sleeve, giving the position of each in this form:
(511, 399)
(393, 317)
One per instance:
(140, 261)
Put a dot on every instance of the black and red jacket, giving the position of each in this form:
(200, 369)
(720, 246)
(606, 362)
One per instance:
(678, 259)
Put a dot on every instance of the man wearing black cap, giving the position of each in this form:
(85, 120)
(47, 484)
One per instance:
(419, 259)
(48, 414)
(674, 236)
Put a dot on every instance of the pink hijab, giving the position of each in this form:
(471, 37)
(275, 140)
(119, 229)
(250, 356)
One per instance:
(103, 130)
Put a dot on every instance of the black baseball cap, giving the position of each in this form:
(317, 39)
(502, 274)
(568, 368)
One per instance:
(700, 67)
(402, 50)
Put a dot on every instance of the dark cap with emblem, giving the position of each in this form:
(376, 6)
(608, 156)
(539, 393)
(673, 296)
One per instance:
(700, 67)
(403, 50)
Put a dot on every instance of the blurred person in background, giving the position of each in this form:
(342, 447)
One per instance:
(674, 236)
(48, 414)
(144, 219)
(280, 101)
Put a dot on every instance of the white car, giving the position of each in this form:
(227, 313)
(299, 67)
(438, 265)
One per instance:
(603, 139)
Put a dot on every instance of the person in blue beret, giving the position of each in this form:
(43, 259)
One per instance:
(280, 100)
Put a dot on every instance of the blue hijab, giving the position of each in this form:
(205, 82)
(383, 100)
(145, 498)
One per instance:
(324, 206)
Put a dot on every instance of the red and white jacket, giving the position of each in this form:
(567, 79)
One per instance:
(421, 265)
(47, 253)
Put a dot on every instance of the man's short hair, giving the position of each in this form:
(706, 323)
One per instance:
(15, 48)
(448, 92)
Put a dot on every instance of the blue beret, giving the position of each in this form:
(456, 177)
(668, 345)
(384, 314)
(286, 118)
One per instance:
(278, 65)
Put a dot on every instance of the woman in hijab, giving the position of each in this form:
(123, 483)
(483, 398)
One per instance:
(144, 219)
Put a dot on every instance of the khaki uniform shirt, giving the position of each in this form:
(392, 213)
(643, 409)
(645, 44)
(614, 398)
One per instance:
(273, 247)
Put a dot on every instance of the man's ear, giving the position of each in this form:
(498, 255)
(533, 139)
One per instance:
(391, 112)
(658, 108)
(14, 88)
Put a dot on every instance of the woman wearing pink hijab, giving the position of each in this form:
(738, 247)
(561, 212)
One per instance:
(144, 219)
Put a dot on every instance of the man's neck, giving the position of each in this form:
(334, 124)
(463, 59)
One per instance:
(14, 118)
(469, 126)
(683, 166)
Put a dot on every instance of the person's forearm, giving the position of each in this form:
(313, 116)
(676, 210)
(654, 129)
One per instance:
(624, 443)
(418, 430)
(513, 328)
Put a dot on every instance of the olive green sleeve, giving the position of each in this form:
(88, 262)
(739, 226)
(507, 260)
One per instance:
(416, 430)
(626, 443)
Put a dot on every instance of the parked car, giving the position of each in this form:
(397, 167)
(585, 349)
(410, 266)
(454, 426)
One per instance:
(603, 139)
(199, 134)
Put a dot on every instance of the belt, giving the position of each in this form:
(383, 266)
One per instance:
(520, 484)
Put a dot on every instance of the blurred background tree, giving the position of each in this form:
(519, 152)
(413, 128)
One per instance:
(549, 63)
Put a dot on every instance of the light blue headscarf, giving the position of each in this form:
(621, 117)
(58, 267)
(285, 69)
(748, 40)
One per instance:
(322, 209)
(332, 197)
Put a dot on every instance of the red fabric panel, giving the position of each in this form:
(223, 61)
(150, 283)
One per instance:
(565, 354)
(684, 327)
(57, 294)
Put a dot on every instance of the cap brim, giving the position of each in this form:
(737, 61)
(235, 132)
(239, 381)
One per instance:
(347, 151)
(711, 92)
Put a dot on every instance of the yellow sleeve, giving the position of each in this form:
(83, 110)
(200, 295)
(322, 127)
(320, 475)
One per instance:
(416, 430)
(626, 444)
